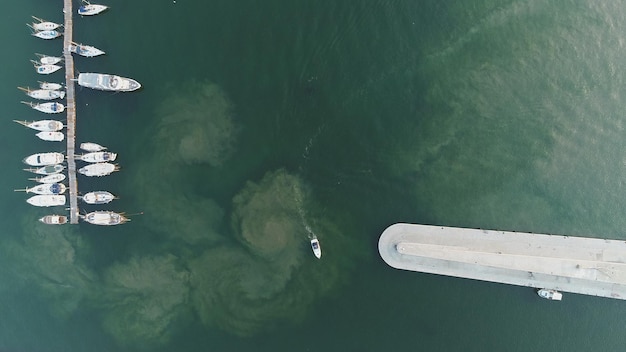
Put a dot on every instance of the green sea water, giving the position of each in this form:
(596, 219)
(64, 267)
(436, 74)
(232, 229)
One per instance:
(263, 123)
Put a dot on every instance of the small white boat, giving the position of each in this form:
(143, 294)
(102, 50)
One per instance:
(105, 218)
(44, 69)
(43, 125)
(43, 159)
(49, 60)
(45, 188)
(98, 169)
(54, 178)
(54, 219)
(47, 34)
(98, 197)
(90, 9)
(98, 157)
(47, 170)
(85, 50)
(43, 94)
(315, 246)
(43, 25)
(550, 294)
(48, 108)
(102, 81)
(92, 147)
(50, 86)
(51, 136)
(46, 200)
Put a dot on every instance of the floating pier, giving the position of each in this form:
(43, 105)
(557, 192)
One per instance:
(588, 266)
(71, 111)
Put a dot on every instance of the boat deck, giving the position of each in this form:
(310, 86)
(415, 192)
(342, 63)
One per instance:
(588, 266)
(71, 111)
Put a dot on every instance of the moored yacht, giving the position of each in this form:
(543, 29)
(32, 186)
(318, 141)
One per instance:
(54, 178)
(98, 157)
(54, 219)
(51, 136)
(102, 81)
(88, 9)
(49, 60)
(45, 188)
(44, 159)
(98, 197)
(43, 94)
(105, 218)
(46, 200)
(549, 294)
(47, 170)
(85, 50)
(45, 69)
(98, 169)
(43, 25)
(42, 125)
(50, 86)
(48, 108)
(47, 34)
(92, 147)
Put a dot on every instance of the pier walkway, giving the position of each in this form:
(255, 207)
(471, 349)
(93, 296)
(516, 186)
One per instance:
(71, 111)
(581, 265)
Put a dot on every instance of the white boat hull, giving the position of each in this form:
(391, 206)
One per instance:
(315, 246)
(48, 108)
(105, 218)
(47, 34)
(47, 69)
(47, 170)
(98, 157)
(50, 86)
(46, 200)
(98, 169)
(45, 94)
(54, 219)
(92, 147)
(86, 50)
(54, 178)
(106, 82)
(51, 136)
(43, 125)
(45, 26)
(44, 159)
(91, 9)
(46, 188)
(50, 60)
(98, 197)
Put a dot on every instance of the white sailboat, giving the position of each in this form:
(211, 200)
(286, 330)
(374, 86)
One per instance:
(45, 69)
(98, 169)
(42, 125)
(47, 34)
(43, 94)
(51, 136)
(89, 9)
(43, 25)
(49, 60)
(46, 200)
(98, 197)
(44, 159)
(85, 50)
(54, 178)
(92, 147)
(50, 86)
(98, 157)
(47, 170)
(54, 219)
(48, 108)
(45, 188)
(105, 218)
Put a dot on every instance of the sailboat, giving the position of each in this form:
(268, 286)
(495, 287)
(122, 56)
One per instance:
(43, 25)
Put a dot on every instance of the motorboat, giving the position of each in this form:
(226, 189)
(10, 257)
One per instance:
(47, 170)
(54, 178)
(43, 94)
(98, 197)
(105, 218)
(98, 157)
(92, 147)
(54, 219)
(49, 60)
(46, 200)
(42, 125)
(550, 294)
(45, 69)
(98, 169)
(102, 81)
(50, 86)
(315, 246)
(85, 50)
(47, 34)
(88, 9)
(45, 188)
(51, 136)
(43, 25)
(48, 108)
(43, 159)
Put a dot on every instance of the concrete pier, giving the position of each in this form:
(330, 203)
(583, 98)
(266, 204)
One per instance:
(581, 265)
(71, 111)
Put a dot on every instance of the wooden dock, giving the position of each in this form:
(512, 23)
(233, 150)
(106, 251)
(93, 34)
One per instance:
(71, 111)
